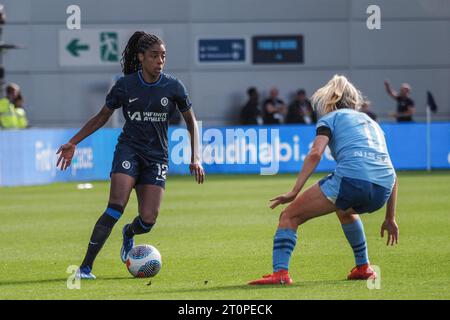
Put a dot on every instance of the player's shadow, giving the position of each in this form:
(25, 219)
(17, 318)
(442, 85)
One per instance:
(212, 288)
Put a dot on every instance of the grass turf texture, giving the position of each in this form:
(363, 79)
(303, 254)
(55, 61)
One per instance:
(216, 237)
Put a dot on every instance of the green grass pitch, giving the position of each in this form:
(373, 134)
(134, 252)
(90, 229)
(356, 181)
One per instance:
(216, 237)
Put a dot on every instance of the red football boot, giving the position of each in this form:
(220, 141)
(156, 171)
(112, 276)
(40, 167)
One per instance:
(362, 272)
(279, 277)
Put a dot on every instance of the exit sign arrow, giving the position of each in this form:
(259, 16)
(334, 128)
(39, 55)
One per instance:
(74, 47)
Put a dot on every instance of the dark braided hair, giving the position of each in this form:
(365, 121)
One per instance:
(139, 42)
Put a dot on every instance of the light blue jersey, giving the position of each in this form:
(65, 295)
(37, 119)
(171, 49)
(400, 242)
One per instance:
(359, 147)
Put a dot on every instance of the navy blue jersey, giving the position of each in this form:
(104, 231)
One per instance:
(145, 107)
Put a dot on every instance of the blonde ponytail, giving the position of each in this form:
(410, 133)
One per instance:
(336, 94)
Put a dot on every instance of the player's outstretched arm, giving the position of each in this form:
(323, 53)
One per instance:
(195, 167)
(66, 151)
(309, 165)
(389, 224)
(389, 89)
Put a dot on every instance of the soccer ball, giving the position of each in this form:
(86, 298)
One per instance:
(144, 261)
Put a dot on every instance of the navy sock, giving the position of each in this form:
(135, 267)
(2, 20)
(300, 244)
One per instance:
(283, 245)
(357, 240)
(101, 232)
(138, 226)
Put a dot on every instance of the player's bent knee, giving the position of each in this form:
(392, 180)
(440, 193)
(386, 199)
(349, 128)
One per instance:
(150, 218)
(347, 217)
(291, 220)
(287, 220)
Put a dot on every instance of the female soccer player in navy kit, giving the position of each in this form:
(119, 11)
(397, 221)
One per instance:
(364, 180)
(146, 95)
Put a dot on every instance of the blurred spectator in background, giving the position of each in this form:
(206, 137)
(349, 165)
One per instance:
(12, 114)
(405, 105)
(300, 110)
(250, 113)
(8, 118)
(274, 108)
(22, 121)
(365, 107)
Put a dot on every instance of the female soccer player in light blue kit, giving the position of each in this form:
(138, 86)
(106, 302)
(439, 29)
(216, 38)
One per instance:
(363, 181)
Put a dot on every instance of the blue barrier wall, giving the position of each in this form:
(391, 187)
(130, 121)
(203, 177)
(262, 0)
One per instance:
(28, 157)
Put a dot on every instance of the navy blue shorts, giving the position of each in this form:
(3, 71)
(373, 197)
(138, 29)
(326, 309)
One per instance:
(360, 195)
(130, 162)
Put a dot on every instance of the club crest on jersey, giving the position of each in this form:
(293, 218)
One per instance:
(164, 102)
(126, 165)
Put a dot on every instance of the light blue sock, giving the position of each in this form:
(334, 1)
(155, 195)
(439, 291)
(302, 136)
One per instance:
(357, 240)
(283, 245)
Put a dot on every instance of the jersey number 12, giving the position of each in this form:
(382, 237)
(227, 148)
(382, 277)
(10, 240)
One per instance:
(162, 172)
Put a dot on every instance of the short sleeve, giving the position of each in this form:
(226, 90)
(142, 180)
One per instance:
(327, 121)
(115, 96)
(182, 97)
